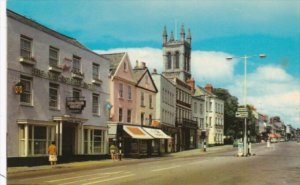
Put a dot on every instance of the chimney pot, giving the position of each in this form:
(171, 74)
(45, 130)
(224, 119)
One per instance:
(209, 88)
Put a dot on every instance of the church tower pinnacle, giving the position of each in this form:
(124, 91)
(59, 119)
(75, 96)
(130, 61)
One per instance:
(182, 33)
(165, 35)
(177, 55)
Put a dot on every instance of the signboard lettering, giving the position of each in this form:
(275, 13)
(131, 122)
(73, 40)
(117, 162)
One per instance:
(62, 79)
(75, 105)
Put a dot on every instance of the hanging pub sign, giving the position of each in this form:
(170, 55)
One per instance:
(75, 105)
(19, 88)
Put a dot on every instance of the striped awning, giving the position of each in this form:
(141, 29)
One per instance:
(136, 132)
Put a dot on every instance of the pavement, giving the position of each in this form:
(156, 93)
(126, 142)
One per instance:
(14, 172)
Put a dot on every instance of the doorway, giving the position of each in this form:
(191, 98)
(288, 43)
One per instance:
(68, 139)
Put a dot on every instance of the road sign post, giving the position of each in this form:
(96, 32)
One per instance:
(241, 114)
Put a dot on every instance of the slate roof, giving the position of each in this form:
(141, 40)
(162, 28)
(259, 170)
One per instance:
(114, 59)
(199, 93)
(138, 73)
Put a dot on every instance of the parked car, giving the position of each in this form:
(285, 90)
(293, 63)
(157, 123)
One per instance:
(274, 140)
(236, 142)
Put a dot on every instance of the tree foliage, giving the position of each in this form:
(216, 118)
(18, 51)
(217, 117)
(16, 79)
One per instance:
(233, 127)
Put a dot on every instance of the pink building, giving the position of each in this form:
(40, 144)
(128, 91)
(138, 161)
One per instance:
(122, 87)
(132, 108)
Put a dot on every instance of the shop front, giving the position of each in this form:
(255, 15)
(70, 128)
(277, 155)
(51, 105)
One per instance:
(168, 145)
(136, 141)
(187, 134)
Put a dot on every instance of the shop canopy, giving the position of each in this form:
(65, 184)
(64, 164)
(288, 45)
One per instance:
(274, 135)
(156, 133)
(136, 132)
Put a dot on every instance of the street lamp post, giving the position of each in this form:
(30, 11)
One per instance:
(245, 57)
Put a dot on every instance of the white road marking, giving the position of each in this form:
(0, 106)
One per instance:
(109, 173)
(82, 176)
(76, 182)
(161, 169)
(45, 176)
(110, 179)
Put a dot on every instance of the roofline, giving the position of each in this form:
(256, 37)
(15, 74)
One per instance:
(146, 70)
(113, 53)
(164, 78)
(12, 15)
(103, 55)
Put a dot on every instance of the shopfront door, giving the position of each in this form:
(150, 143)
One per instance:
(68, 140)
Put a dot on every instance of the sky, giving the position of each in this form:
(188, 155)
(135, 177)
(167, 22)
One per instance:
(220, 29)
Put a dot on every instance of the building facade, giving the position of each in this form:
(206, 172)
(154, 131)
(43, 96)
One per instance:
(132, 108)
(146, 94)
(198, 113)
(122, 87)
(177, 59)
(57, 89)
(214, 116)
(166, 108)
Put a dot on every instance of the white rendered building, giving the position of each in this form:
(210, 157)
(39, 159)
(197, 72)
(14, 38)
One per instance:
(214, 116)
(57, 90)
(166, 108)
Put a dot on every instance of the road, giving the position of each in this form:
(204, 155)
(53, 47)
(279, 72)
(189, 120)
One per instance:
(279, 165)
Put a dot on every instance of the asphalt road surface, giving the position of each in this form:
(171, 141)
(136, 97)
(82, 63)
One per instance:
(278, 165)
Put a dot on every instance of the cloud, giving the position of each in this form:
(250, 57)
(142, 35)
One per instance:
(206, 66)
(272, 91)
(211, 67)
(269, 88)
(272, 73)
(152, 56)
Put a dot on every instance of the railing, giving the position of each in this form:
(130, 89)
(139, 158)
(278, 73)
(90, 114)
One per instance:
(77, 74)
(184, 122)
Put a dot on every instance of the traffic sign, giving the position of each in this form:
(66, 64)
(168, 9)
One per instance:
(242, 109)
(241, 114)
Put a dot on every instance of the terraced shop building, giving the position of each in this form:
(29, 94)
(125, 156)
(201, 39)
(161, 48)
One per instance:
(57, 91)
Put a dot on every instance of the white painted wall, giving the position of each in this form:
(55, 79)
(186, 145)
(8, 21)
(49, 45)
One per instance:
(40, 109)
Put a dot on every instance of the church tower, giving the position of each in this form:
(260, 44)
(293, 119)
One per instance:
(177, 55)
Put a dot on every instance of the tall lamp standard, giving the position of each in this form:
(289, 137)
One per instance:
(245, 57)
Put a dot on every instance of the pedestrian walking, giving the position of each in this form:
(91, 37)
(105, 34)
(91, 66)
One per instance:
(112, 149)
(204, 147)
(52, 151)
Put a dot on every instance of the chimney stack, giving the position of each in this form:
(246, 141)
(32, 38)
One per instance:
(136, 64)
(140, 65)
(191, 83)
(143, 65)
(209, 88)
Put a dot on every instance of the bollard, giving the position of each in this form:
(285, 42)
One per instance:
(249, 149)
(240, 149)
